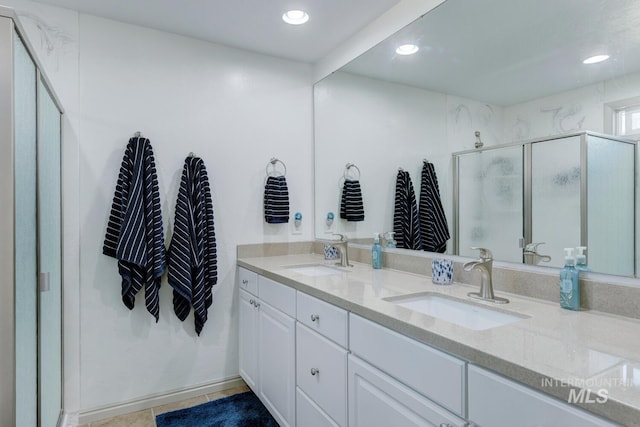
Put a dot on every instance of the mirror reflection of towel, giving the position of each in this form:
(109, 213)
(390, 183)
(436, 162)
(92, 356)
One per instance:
(433, 222)
(351, 204)
(406, 224)
(276, 200)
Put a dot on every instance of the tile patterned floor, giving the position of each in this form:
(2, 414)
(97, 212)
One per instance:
(147, 418)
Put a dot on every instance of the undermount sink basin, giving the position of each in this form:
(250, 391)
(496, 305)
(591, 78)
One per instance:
(315, 270)
(466, 314)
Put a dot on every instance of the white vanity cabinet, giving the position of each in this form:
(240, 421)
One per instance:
(267, 344)
(395, 380)
(321, 363)
(496, 401)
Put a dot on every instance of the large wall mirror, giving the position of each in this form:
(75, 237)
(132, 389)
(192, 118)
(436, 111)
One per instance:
(512, 71)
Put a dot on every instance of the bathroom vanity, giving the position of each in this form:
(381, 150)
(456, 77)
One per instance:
(327, 346)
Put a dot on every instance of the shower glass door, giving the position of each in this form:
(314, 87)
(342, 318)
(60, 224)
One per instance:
(50, 260)
(26, 239)
(555, 196)
(489, 208)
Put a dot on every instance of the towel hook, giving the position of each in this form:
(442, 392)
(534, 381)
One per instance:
(347, 167)
(273, 163)
(138, 134)
(479, 142)
(191, 154)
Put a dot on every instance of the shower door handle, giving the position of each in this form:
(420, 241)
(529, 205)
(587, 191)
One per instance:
(44, 283)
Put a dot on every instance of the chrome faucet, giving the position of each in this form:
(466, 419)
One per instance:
(531, 255)
(484, 264)
(342, 246)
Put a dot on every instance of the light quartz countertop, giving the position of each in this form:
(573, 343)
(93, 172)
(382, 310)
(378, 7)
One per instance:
(551, 350)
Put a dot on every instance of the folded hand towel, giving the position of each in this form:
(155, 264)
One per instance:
(134, 231)
(351, 205)
(192, 253)
(276, 200)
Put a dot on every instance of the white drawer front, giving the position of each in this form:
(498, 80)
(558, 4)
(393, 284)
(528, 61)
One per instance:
(376, 399)
(436, 375)
(322, 317)
(499, 402)
(321, 372)
(248, 280)
(308, 414)
(277, 295)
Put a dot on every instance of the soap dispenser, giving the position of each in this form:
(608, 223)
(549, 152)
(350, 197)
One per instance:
(390, 238)
(581, 259)
(376, 252)
(569, 283)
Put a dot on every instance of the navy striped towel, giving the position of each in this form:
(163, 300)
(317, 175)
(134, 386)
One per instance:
(193, 267)
(134, 231)
(406, 224)
(276, 200)
(351, 205)
(433, 223)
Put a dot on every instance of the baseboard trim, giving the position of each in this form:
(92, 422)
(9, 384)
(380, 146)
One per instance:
(152, 401)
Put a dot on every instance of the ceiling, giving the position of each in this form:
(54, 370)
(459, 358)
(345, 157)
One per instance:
(510, 51)
(254, 25)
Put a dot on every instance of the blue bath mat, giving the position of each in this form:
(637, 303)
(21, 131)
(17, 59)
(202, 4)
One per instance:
(239, 410)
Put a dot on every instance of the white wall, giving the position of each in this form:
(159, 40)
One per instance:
(234, 109)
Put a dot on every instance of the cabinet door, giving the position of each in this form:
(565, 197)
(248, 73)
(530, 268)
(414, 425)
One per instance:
(322, 372)
(495, 401)
(309, 414)
(248, 338)
(277, 363)
(377, 400)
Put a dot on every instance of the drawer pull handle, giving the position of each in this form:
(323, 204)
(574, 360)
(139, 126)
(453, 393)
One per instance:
(315, 317)
(245, 281)
(252, 302)
(315, 371)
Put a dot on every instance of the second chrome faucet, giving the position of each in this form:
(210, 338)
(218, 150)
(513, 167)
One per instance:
(484, 264)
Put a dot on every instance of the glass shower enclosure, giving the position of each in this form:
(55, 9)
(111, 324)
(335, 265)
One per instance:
(30, 232)
(562, 192)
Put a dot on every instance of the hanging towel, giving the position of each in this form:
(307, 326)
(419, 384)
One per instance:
(406, 224)
(193, 268)
(276, 200)
(433, 223)
(351, 205)
(134, 231)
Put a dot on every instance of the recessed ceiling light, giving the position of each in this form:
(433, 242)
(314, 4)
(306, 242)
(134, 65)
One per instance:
(595, 59)
(407, 49)
(295, 17)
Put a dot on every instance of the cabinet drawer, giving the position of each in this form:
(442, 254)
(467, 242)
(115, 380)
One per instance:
(321, 372)
(277, 295)
(497, 401)
(322, 317)
(308, 414)
(248, 280)
(436, 375)
(375, 399)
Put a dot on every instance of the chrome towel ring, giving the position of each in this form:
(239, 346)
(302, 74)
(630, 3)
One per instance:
(273, 163)
(347, 168)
